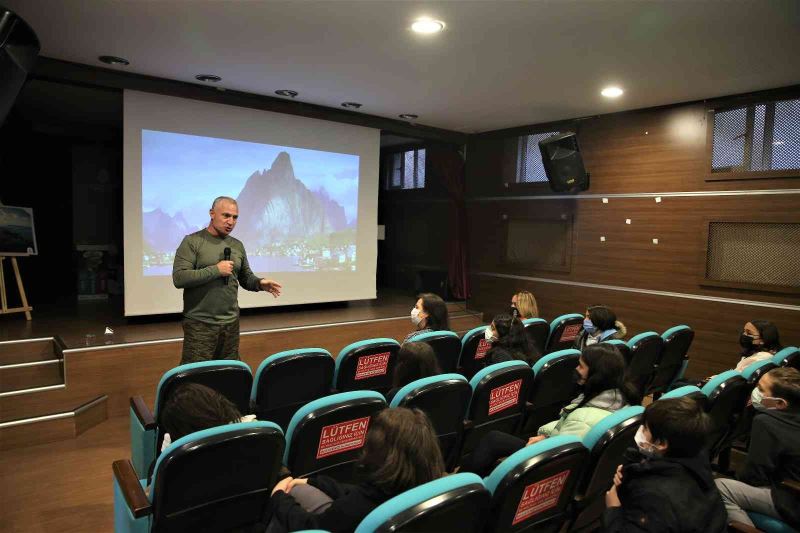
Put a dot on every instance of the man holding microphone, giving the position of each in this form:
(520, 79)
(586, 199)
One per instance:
(209, 266)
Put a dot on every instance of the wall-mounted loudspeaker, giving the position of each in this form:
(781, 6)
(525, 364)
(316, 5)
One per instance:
(563, 163)
(19, 47)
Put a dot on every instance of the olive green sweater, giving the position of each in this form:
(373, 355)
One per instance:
(206, 297)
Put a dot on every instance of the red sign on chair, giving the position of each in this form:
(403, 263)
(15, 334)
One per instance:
(483, 347)
(570, 333)
(342, 437)
(504, 397)
(540, 496)
(370, 366)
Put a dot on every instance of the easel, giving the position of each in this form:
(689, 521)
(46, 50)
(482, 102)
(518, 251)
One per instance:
(4, 300)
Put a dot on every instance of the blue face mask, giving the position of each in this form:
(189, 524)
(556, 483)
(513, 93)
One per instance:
(588, 327)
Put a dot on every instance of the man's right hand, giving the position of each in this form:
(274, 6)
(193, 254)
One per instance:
(225, 268)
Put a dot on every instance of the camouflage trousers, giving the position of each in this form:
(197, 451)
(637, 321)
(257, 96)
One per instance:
(204, 342)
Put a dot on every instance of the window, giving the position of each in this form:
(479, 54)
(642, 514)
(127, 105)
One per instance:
(530, 168)
(406, 170)
(757, 138)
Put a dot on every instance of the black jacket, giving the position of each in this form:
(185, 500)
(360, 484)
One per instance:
(351, 504)
(667, 495)
(500, 354)
(774, 456)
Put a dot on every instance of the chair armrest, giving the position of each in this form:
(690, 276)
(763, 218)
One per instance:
(739, 526)
(794, 486)
(146, 418)
(528, 407)
(131, 489)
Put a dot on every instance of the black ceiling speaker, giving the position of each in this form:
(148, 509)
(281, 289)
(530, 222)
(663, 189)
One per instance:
(563, 163)
(19, 47)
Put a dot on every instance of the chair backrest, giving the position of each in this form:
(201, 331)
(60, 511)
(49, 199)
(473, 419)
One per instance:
(498, 399)
(532, 488)
(623, 348)
(286, 381)
(452, 504)
(473, 351)
(789, 356)
(645, 356)
(231, 379)
(537, 329)
(754, 372)
(727, 397)
(674, 355)
(217, 479)
(563, 332)
(446, 345)
(688, 390)
(326, 435)
(552, 389)
(444, 399)
(366, 365)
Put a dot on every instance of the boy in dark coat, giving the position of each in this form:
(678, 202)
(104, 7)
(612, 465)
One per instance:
(667, 486)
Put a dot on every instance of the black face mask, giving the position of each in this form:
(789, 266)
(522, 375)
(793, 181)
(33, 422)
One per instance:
(576, 377)
(746, 341)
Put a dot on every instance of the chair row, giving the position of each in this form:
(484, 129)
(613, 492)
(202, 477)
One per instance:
(220, 478)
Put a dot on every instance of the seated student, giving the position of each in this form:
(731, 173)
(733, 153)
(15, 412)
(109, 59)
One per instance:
(429, 314)
(415, 360)
(599, 324)
(523, 306)
(601, 375)
(759, 341)
(667, 485)
(401, 451)
(773, 456)
(509, 341)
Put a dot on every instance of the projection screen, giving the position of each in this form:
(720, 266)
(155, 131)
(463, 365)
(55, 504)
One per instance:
(307, 191)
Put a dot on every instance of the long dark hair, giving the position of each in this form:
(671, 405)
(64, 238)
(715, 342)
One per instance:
(416, 360)
(606, 371)
(436, 309)
(401, 451)
(769, 336)
(511, 337)
(192, 407)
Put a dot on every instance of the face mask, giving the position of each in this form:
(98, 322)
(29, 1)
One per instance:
(415, 318)
(513, 311)
(487, 334)
(576, 377)
(745, 341)
(648, 449)
(588, 327)
(757, 398)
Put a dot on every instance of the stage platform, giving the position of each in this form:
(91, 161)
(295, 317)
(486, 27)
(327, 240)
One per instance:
(60, 375)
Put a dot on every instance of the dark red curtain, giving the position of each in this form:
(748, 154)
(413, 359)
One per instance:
(448, 166)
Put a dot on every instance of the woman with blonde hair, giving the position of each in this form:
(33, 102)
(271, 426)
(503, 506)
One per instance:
(523, 305)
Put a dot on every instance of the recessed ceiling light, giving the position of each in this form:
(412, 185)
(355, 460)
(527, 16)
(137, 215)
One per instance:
(427, 25)
(408, 116)
(208, 77)
(114, 60)
(612, 92)
(286, 92)
(351, 105)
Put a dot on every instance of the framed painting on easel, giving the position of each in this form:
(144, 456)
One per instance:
(17, 238)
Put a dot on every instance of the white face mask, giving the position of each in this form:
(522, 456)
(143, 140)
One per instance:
(646, 448)
(415, 318)
(487, 334)
(757, 398)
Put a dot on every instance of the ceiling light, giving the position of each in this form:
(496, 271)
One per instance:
(286, 92)
(351, 105)
(612, 92)
(427, 26)
(408, 116)
(114, 60)
(208, 77)
(777, 143)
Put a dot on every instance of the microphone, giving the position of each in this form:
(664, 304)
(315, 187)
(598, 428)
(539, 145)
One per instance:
(226, 255)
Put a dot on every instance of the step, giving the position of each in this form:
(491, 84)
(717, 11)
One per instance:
(30, 350)
(33, 375)
(53, 427)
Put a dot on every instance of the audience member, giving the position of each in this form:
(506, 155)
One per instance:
(601, 375)
(429, 314)
(759, 341)
(509, 341)
(599, 324)
(667, 485)
(773, 456)
(415, 360)
(401, 452)
(523, 306)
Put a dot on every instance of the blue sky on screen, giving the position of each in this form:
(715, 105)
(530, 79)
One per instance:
(185, 172)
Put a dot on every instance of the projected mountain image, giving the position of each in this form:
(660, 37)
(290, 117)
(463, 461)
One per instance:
(284, 225)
